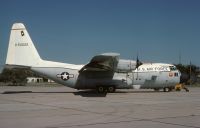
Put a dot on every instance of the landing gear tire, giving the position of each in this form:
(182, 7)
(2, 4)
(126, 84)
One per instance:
(167, 89)
(101, 89)
(111, 89)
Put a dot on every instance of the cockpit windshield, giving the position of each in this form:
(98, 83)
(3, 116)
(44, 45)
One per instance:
(172, 68)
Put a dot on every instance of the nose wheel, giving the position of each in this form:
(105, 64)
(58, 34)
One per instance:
(167, 89)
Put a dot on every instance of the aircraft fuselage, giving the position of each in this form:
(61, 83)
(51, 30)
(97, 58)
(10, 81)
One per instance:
(150, 76)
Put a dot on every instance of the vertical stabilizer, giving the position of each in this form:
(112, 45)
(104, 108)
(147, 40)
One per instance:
(21, 50)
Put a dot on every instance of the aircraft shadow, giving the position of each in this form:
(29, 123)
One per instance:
(16, 92)
(93, 93)
(90, 93)
(83, 93)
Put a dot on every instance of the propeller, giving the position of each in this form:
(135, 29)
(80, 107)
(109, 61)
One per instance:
(138, 62)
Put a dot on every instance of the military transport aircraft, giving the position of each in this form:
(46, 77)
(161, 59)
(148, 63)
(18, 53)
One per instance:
(105, 72)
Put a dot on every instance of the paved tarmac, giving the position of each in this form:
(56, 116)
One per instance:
(62, 107)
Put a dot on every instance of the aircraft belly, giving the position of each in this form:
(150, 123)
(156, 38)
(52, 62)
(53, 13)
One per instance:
(119, 80)
(93, 83)
(158, 80)
(148, 79)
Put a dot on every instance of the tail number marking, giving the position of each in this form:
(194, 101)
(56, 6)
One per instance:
(21, 44)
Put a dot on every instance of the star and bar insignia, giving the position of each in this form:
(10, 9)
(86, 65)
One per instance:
(65, 76)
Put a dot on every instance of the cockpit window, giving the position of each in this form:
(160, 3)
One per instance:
(172, 68)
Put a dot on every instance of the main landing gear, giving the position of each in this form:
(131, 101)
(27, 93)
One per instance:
(104, 89)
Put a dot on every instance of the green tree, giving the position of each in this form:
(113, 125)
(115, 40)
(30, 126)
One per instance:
(189, 72)
(15, 76)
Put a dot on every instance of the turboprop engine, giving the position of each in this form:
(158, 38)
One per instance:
(126, 66)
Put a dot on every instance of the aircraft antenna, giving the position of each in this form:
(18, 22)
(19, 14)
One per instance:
(179, 57)
(190, 72)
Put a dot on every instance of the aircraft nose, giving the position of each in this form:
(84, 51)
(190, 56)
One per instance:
(184, 78)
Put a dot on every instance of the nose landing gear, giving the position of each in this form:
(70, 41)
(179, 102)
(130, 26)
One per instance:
(167, 89)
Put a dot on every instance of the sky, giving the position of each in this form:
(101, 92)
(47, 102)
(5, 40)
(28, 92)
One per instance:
(73, 31)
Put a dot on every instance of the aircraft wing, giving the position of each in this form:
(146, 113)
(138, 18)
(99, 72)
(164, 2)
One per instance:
(102, 62)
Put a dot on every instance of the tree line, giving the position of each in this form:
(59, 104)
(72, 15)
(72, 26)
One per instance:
(16, 76)
(189, 73)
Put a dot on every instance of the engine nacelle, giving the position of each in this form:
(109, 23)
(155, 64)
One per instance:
(126, 65)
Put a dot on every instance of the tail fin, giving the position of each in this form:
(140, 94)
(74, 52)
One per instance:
(21, 50)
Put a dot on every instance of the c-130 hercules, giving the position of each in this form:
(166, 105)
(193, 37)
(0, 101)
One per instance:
(105, 72)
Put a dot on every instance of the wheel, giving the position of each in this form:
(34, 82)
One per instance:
(100, 89)
(111, 89)
(166, 89)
